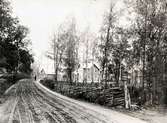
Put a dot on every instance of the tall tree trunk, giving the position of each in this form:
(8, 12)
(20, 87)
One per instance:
(86, 61)
(56, 74)
(70, 77)
(54, 57)
(127, 96)
(105, 54)
(120, 74)
(144, 53)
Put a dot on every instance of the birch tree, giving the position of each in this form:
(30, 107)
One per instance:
(106, 42)
(71, 51)
(58, 45)
(149, 46)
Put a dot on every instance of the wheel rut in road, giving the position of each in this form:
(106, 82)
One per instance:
(31, 104)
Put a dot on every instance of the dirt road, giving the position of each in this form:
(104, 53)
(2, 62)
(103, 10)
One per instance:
(30, 102)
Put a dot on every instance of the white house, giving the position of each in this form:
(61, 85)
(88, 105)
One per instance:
(87, 73)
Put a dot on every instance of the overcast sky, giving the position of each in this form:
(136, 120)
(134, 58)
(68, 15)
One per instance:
(42, 17)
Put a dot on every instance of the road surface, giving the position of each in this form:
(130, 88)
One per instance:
(31, 102)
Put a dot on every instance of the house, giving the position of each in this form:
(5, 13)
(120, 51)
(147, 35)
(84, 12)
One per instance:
(50, 76)
(60, 77)
(42, 74)
(87, 73)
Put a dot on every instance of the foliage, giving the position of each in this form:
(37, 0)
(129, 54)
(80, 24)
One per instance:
(48, 83)
(90, 92)
(58, 46)
(7, 80)
(13, 41)
(114, 47)
(120, 52)
(106, 44)
(3, 86)
(151, 43)
(71, 54)
(26, 60)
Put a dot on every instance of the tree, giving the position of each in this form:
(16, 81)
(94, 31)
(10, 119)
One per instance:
(71, 52)
(12, 39)
(120, 52)
(26, 60)
(114, 47)
(87, 45)
(36, 69)
(106, 42)
(58, 47)
(150, 44)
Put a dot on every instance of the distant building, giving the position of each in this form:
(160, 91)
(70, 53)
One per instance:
(42, 74)
(50, 76)
(60, 77)
(87, 73)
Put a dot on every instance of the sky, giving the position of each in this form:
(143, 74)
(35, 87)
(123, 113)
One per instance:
(43, 17)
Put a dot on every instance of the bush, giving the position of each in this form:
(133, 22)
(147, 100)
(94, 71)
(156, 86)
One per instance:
(49, 83)
(88, 92)
(100, 100)
(92, 96)
(13, 78)
(3, 86)
(7, 80)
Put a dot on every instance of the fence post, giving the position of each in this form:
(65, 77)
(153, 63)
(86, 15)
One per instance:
(126, 92)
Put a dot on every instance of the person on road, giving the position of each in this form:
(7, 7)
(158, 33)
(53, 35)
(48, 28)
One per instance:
(35, 77)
